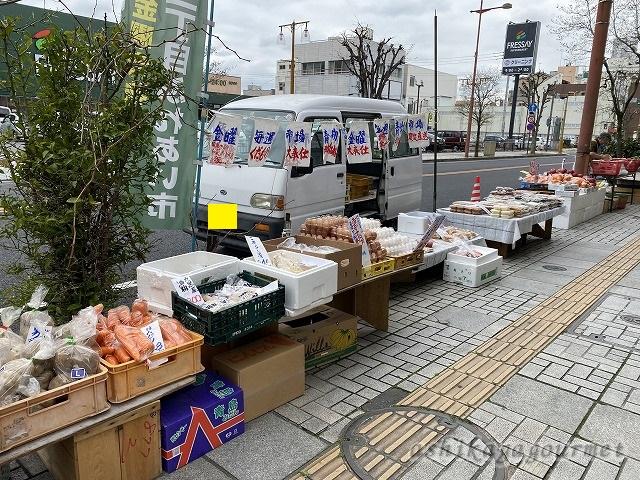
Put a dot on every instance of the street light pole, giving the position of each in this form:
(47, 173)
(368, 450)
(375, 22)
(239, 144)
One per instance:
(419, 85)
(305, 34)
(480, 11)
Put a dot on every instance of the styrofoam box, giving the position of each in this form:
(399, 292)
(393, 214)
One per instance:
(488, 255)
(154, 278)
(300, 289)
(414, 222)
(471, 275)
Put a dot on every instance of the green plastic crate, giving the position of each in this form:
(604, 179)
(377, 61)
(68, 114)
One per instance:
(232, 322)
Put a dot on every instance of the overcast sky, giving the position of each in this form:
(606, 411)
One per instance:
(251, 27)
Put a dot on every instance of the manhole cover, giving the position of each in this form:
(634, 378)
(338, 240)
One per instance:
(385, 399)
(390, 442)
(554, 268)
(635, 319)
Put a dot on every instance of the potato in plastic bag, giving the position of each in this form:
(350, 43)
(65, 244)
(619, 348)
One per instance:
(82, 328)
(8, 315)
(11, 346)
(76, 362)
(12, 374)
(32, 317)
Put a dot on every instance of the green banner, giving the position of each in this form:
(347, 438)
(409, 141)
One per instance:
(176, 31)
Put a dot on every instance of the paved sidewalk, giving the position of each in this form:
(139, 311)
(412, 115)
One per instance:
(564, 407)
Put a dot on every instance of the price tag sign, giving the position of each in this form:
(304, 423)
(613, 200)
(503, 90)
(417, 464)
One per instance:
(37, 333)
(357, 233)
(185, 288)
(258, 251)
(153, 333)
(78, 373)
(433, 228)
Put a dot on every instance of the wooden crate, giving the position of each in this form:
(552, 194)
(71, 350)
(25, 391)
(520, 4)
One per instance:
(23, 421)
(411, 259)
(379, 268)
(131, 379)
(124, 448)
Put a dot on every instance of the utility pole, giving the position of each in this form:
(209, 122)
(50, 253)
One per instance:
(564, 120)
(435, 118)
(600, 33)
(550, 119)
(305, 35)
(418, 106)
(504, 107)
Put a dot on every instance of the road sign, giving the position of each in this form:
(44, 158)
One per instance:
(521, 48)
(531, 118)
(533, 107)
(531, 126)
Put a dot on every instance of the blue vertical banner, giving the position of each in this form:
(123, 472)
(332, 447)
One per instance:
(175, 32)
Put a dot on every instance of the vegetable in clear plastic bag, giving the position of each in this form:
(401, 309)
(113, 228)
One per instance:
(136, 344)
(75, 362)
(12, 374)
(9, 315)
(82, 329)
(11, 346)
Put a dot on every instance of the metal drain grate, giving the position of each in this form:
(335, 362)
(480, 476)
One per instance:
(371, 451)
(554, 268)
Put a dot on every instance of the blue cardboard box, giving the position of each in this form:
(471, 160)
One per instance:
(199, 418)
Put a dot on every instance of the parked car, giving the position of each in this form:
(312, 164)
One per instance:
(500, 141)
(441, 142)
(8, 124)
(453, 139)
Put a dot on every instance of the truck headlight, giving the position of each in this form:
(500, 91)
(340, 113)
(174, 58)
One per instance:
(267, 202)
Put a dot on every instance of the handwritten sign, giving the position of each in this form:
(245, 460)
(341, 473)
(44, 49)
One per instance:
(38, 332)
(330, 141)
(258, 251)
(534, 167)
(264, 133)
(298, 144)
(359, 143)
(433, 228)
(185, 288)
(357, 233)
(153, 333)
(399, 127)
(417, 131)
(381, 128)
(224, 139)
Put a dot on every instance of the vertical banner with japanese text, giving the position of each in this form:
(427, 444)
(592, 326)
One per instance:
(417, 131)
(330, 141)
(264, 133)
(399, 127)
(224, 139)
(359, 143)
(297, 138)
(381, 129)
(175, 31)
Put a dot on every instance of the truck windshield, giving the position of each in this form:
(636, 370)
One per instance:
(245, 134)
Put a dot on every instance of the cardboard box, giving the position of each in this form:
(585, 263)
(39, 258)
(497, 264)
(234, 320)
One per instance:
(199, 418)
(270, 372)
(326, 333)
(124, 448)
(349, 258)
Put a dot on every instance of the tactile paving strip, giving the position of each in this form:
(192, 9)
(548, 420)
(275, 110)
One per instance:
(469, 382)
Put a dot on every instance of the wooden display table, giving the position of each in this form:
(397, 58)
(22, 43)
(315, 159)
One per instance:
(115, 411)
(369, 299)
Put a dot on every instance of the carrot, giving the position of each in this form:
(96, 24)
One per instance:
(104, 351)
(122, 355)
(134, 342)
(98, 308)
(111, 359)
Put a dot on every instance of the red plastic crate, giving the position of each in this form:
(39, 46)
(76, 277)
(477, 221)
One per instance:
(606, 167)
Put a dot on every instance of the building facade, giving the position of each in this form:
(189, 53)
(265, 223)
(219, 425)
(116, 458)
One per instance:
(418, 88)
(257, 91)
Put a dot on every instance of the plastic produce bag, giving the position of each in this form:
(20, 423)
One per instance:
(173, 332)
(39, 340)
(75, 362)
(9, 315)
(82, 328)
(11, 376)
(11, 346)
(136, 344)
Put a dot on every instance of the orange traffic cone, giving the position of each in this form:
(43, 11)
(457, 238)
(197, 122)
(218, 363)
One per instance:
(475, 193)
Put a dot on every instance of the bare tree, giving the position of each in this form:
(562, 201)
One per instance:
(486, 94)
(575, 27)
(371, 62)
(533, 88)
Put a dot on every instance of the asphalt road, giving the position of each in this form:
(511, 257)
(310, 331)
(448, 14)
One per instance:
(455, 182)
(456, 177)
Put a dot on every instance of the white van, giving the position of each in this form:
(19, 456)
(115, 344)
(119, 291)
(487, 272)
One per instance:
(274, 197)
